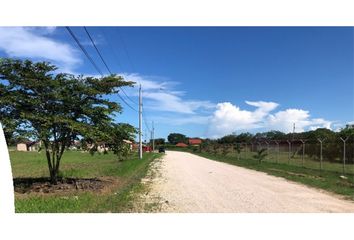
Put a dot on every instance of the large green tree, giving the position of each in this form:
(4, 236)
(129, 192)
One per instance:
(158, 141)
(175, 138)
(55, 108)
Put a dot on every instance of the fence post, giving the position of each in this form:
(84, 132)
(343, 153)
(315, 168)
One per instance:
(289, 142)
(344, 143)
(260, 146)
(277, 143)
(244, 150)
(321, 141)
(267, 143)
(303, 151)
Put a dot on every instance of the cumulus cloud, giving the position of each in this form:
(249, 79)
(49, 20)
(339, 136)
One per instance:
(35, 43)
(284, 120)
(263, 108)
(228, 118)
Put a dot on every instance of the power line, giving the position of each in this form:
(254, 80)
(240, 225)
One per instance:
(92, 61)
(115, 55)
(99, 54)
(144, 118)
(111, 48)
(120, 36)
(104, 62)
(84, 50)
(147, 126)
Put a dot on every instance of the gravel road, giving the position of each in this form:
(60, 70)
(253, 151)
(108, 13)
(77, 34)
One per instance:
(189, 183)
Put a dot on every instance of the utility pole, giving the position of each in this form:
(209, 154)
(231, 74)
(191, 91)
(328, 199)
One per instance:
(153, 137)
(140, 123)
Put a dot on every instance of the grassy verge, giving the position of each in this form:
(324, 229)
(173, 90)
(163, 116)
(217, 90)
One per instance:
(325, 180)
(117, 198)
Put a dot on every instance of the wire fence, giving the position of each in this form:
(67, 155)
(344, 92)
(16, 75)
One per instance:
(336, 156)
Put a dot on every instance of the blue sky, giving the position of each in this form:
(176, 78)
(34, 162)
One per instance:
(208, 82)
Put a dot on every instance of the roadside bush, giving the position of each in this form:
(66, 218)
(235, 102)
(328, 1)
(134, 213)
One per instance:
(261, 154)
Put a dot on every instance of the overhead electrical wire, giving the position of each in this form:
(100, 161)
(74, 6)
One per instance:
(144, 119)
(120, 36)
(109, 70)
(93, 62)
(131, 65)
(115, 55)
(84, 51)
(104, 62)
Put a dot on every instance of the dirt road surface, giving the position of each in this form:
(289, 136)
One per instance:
(188, 183)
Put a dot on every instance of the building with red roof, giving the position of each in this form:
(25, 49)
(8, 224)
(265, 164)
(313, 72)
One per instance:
(194, 141)
(181, 145)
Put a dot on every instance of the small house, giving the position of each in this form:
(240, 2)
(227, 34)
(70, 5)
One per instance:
(28, 146)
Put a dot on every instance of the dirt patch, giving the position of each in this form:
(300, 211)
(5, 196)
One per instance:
(65, 185)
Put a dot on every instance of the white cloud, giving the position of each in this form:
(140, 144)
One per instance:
(263, 108)
(146, 84)
(228, 118)
(160, 96)
(284, 120)
(34, 43)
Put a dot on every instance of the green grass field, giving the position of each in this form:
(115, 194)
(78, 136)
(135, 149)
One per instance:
(77, 164)
(328, 179)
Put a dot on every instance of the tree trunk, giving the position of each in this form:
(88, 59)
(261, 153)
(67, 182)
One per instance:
(53, 159)
(53, 166)
(54, 177)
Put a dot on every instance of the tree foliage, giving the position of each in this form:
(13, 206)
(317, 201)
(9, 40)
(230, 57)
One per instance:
(55, 108)
(118, 133)
(261, 155)
(158, 141)
(238, 148)
(228, 139)
(175, 138)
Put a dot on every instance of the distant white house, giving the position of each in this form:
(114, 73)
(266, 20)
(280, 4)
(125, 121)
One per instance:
(28, 146)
